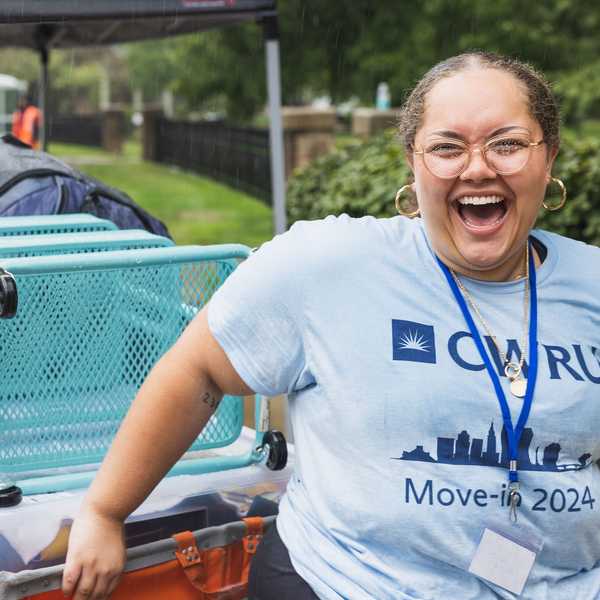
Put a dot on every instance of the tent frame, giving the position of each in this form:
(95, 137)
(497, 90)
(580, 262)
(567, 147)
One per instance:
(44, 25)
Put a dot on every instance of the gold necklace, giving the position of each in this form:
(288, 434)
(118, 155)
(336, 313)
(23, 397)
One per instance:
(512, 370)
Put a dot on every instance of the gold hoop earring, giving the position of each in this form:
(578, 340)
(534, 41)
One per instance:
(414, 213)
(563, 195)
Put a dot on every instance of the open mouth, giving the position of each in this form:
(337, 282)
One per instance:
(481, 212)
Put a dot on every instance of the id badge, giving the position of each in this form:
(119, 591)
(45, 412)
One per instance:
(505, 556)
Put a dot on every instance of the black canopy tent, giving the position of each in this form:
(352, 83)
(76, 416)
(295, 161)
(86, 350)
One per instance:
(45, 24)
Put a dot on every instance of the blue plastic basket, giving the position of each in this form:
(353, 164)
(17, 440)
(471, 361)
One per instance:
(41, 224)
(75, 243)
(88, 329)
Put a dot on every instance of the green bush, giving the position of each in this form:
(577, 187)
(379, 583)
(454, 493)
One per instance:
(578, 92)
(361, 178)
(578, 165)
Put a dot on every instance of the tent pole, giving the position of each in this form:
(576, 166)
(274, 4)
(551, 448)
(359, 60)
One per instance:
(271, 34)
(43, 99)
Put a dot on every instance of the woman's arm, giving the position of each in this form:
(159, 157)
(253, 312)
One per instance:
(172, 407)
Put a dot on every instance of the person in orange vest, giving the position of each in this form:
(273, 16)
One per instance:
(27, 121)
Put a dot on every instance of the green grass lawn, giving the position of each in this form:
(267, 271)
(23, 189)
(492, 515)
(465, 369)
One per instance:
(196, 210)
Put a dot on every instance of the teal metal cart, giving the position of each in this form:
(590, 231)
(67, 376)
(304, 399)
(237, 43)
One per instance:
(88, 329)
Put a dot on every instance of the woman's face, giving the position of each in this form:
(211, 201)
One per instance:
(478, 221)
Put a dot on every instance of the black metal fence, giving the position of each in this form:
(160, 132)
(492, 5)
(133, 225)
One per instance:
(76, 129)
(237, 156)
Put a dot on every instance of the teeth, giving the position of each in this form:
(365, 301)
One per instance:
(480, 200)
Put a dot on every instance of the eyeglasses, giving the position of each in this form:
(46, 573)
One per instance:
(504, 154)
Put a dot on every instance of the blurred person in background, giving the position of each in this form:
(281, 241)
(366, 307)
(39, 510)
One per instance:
(27, 121)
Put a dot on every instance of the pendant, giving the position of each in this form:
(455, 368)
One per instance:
(512, 370)
(518, 384)
(518, 387)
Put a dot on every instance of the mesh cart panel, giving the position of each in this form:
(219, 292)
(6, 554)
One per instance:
(87, 332)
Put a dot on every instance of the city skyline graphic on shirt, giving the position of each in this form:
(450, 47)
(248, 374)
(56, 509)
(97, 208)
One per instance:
(463, 450)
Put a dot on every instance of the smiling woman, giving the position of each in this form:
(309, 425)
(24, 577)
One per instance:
(481, 160)
(442, 374)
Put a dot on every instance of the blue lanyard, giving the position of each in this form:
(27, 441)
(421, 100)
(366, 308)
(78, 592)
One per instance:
(513, 434)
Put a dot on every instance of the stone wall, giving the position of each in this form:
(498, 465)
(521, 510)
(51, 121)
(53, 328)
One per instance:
(369, 121)
(309, 133)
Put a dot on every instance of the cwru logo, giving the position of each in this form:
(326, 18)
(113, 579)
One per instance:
(413, 341)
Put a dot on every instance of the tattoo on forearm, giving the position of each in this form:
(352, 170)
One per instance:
(210, 400)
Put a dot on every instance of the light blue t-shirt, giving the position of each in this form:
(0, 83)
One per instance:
(400, 452)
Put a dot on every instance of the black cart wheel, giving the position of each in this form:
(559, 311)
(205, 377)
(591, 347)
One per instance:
(10, 496)
(278, 455)
(8, 295)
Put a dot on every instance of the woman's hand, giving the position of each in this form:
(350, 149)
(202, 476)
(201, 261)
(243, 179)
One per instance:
(95, 558)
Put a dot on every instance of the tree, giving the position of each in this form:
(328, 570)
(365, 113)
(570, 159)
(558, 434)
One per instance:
(22, 64)
(345, 47)
(152, 65)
